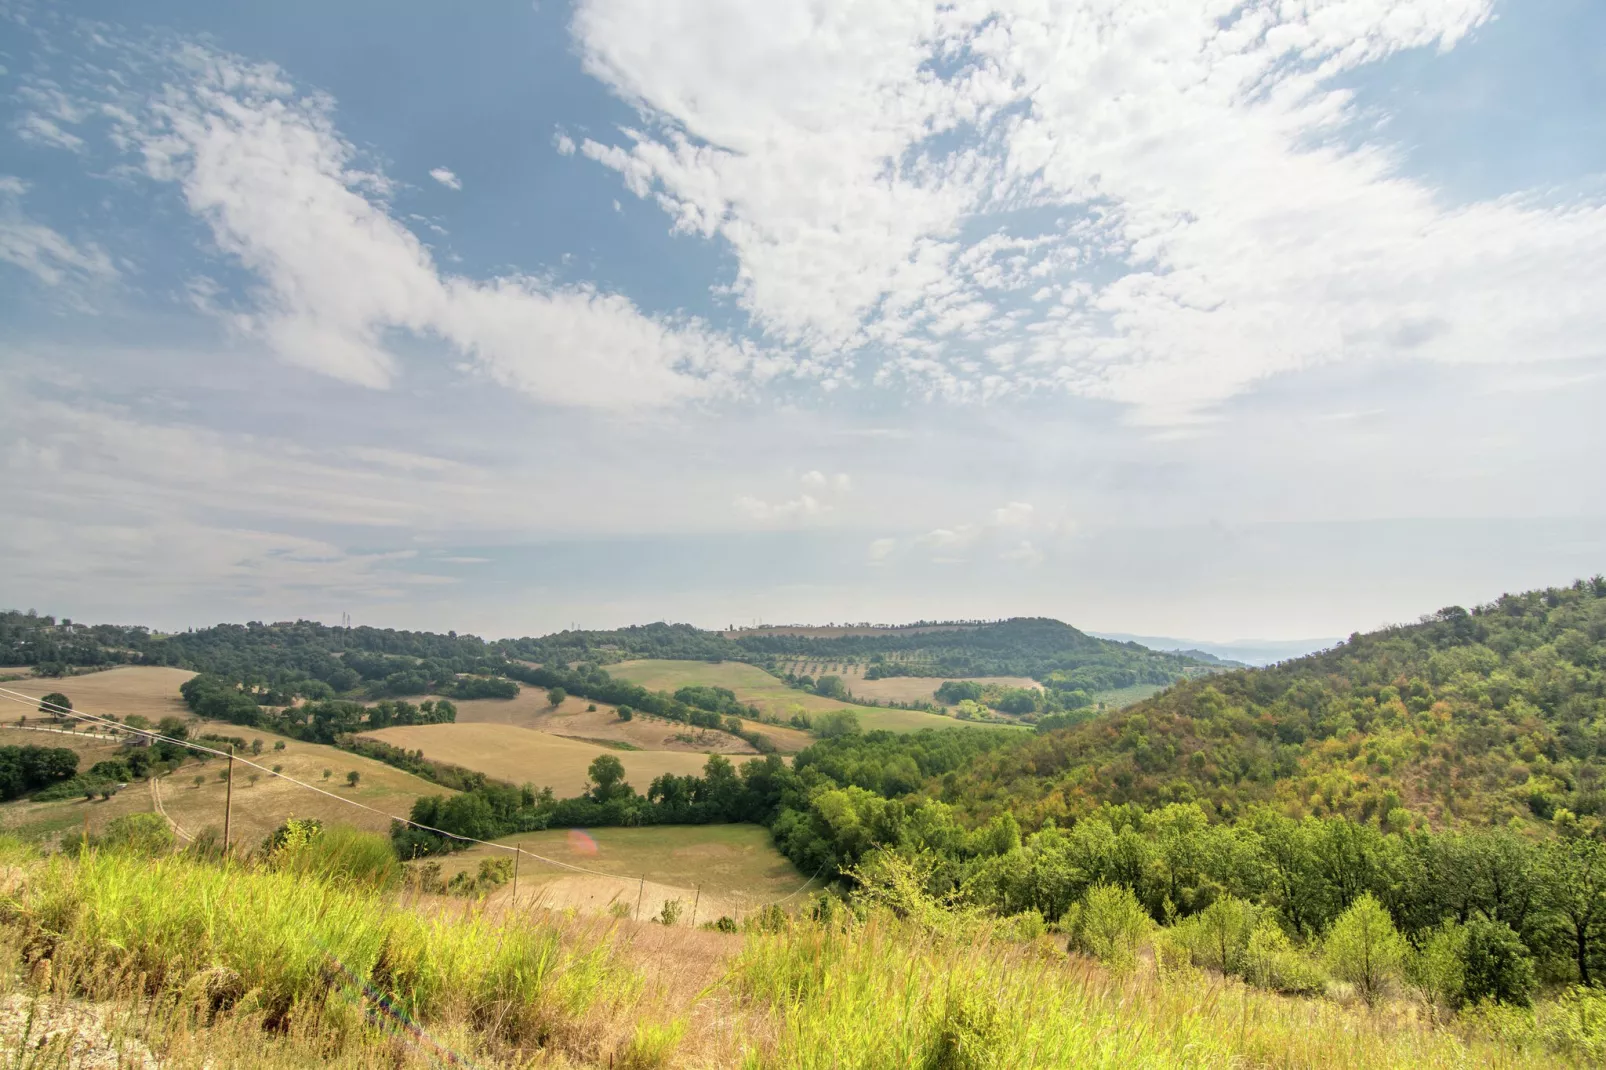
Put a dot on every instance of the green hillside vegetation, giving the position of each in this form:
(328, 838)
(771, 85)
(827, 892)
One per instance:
(1466, 717)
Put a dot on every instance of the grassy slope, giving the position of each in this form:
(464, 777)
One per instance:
(150, 691)
(524, 756)
(531, 710)
(722, 869)
(753, 685)
(258, 808)
(485, 985)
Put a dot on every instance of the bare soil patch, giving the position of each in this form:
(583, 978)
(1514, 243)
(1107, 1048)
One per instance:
(923, 688)
(574, 720)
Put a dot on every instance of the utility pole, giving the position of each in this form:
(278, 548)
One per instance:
(639, 890)
(696, 898)
(228, 802)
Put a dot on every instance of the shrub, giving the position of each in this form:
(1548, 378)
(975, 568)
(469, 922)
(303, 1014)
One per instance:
(141, 834)
(1218, 936)
(1110, 924)
(671, 911)
(1436, 969)
(1364, 948)
(1495, 964)
(1272, 961)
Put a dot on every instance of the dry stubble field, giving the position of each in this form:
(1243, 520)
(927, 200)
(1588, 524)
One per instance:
(524, 756)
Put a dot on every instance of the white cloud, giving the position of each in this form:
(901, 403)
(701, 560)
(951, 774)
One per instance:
(284, 194)
(43, 131)
(41, 251)
(881, 549)
(446, 178)
(1148, 202)
(563, 143)
(809, 503)
(1015, 514)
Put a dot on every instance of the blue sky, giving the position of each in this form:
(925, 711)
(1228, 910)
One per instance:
(1175, 317)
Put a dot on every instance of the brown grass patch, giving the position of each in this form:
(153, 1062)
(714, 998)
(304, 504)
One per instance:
(148, 690)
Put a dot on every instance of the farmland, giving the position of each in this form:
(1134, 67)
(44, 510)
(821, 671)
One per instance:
(149, 691)
(753, 685)
(524, 756)
(727, 869)
(260, 805)
(574, 720)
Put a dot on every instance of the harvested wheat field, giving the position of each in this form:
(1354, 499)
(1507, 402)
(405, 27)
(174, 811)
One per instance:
(573, 720)
(260, 804)
(722, 869)
(524, 756)
(148, 690)
(757, 687)
(923, 688)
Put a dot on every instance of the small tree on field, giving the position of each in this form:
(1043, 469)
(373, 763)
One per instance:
(327, 773)
(555, 696)
(255, 777)
(256, 746)
(198, 781)
(626, 713)
(352, 778)
(1109, 923)
(54, 704)
(1364, 948)
(279, 745)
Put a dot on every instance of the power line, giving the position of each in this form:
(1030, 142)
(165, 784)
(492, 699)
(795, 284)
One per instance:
(18, 696)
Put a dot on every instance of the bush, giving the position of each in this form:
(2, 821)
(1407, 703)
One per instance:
(1110, 924)
(1218, 937)
(1364, 948)
(1495, 964)
(1272, 961)
(1437, 969)
(142, 834)
(670, 913)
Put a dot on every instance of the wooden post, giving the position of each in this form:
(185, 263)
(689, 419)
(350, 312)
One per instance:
(228, 802)
(696, 898)
(642, 888)
(517, 854)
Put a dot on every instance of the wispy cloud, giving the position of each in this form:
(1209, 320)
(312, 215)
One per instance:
(446, 178)
(1149, 202)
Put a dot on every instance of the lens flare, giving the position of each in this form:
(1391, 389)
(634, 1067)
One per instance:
(581, 843)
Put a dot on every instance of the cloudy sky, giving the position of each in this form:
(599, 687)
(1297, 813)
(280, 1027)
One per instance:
(1198, 318)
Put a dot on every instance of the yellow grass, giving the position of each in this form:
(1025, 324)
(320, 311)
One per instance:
(259, 807)
(757, 687)
(572, 719)
(148, 690)
(523, 756)
(721, 869)
(923, 688)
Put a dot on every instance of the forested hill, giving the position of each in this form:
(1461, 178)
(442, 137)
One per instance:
(1477, 717)
(1047, 650)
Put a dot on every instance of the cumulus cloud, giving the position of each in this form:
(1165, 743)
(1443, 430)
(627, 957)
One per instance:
(564, 144)
(1158, 202)
(881, 549)
(285, 194)
(446, 178)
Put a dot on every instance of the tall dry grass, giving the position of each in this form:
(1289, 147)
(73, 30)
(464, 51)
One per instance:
(216, 965)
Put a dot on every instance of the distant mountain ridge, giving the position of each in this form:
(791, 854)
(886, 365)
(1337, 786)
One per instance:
(1245, 652)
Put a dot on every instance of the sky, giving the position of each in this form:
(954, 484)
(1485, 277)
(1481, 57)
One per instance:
(1185, 318)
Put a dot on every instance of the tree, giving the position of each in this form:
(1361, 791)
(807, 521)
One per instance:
(836, 723)
(198, 781)
(279, 745)
(352, 778)
(626, 713)
(608, 774)
(1110, 924)
(256, 746)
(1495, 964)
(555, 696)
(1574, 889)
(1364, 948)
(54, 703)
(327, 773)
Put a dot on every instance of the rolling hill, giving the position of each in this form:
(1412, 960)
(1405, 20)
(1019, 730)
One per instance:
(1474, 716)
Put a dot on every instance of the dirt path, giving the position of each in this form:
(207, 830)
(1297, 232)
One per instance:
(156, 800)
